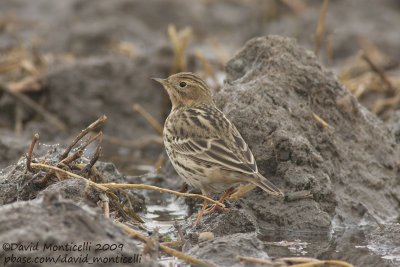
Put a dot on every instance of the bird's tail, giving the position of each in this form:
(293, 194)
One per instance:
(266, 185)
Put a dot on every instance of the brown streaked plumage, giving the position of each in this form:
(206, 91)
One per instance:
(205, 148)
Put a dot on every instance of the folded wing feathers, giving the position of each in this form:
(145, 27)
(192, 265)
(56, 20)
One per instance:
(235, 156)
(220, 152)
(217, 151)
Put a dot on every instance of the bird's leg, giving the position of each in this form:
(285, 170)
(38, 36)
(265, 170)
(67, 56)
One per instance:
(241, 191)
(214, 207)
(200, 214)
(226, 194)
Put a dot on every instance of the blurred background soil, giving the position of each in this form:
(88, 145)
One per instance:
(81, 59)
(65, 63)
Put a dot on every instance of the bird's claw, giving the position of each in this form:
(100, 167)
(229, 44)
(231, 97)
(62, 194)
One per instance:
(215, 207)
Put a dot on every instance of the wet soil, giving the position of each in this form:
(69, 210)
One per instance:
(99, 57)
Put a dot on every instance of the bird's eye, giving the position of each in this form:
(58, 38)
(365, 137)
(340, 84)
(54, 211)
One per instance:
(182, 84)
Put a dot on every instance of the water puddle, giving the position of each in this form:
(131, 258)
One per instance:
(161, 214)
(349, 244)
(389, 253)
(352, 244)
(296, 247)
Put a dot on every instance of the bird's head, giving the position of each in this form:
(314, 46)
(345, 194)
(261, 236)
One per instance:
(187, 89)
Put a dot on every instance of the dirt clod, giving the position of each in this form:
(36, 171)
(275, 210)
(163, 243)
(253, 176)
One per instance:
(279, 83)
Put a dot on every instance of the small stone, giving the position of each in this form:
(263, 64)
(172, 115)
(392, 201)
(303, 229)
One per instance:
(206, 236)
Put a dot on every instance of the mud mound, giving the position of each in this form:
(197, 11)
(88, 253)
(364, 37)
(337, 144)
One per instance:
(307, 133)
(62, 223)
(18, 184)
(275, 92)
(59, 221)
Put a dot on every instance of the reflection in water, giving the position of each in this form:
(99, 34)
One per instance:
(359, 245)
(163, 211)
(356, 245)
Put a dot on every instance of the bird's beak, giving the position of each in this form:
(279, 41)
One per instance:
(159, 80)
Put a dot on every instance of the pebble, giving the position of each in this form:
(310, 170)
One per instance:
(206, 236)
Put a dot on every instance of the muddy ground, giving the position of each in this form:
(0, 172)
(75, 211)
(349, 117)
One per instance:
(328, 126)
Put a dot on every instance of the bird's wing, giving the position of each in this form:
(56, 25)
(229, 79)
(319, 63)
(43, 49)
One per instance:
(230, 152)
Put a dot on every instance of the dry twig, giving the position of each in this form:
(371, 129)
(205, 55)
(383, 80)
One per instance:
(179, 230)
(220, 53)
(208, 69)
(30, 151)
(298, 262)
(160, 162)
(36, 107)
(357, 66)
(319, 32)
(175, 244)
(127, 212)
(105, 205)
(255, 260)
(18, 119)
(82, 148)
(320, 121)
(381, 105)
(179, 42)
(159, 189)
(316, 263)
(190, 260)
(329, 49)
(390, 89)
(69, 159)
(84, 132)
(27, 84)
(94, 159)
(107, 186)
(148, 117)
(42, 166)
(297, 6)
(124, 48)
(63, 167)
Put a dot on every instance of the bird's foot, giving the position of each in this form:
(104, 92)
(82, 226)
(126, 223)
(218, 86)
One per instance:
(200, 214)
(213, 208)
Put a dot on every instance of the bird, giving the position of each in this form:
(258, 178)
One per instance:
(203, 145)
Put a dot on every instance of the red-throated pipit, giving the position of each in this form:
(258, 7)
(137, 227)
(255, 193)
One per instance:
(205, 148)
